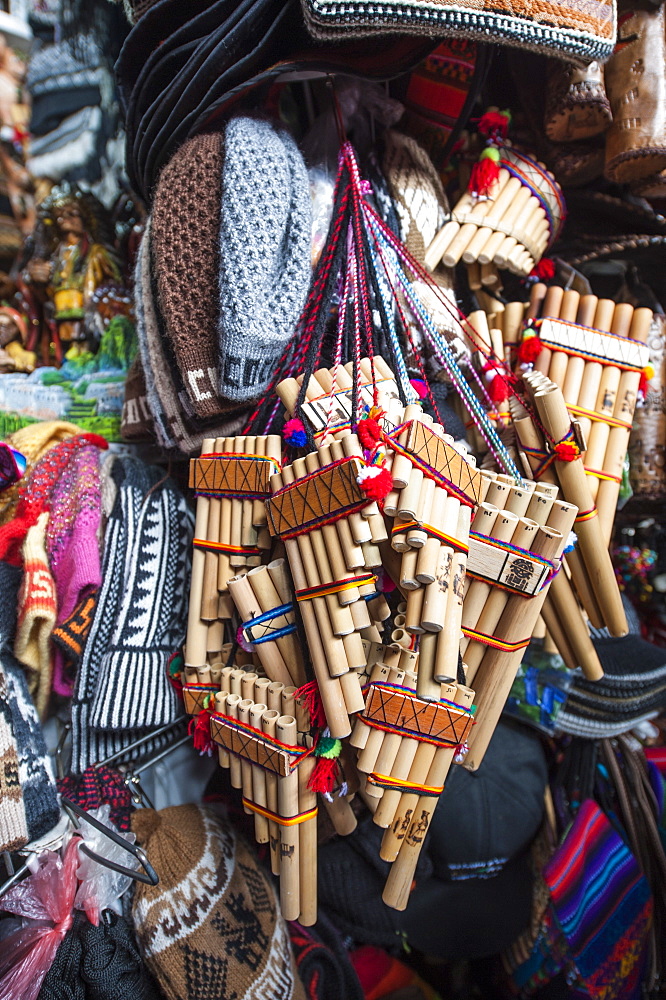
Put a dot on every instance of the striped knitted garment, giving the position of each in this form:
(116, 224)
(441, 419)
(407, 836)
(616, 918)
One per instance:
(574, 30)
(603, 905)
(13, 824)
(122, 690)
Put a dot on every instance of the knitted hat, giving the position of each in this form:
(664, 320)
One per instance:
(100, 962)
(167, 398)
(632, 689)
(136, 421)
(568, 29)
(70, 636)
(122, 690)
(185, 242)
(212, 927)
(37, 606)
(36, 490)
(265, 237)
(185, 65)
(33, 441)
(73, 544)
(13, 823)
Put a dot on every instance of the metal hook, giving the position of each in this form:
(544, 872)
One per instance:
(143, 739)
(76, 812)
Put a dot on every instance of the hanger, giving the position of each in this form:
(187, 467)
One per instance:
(149, 878)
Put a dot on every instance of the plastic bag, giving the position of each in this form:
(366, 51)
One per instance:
(47, 897)
(100, 887)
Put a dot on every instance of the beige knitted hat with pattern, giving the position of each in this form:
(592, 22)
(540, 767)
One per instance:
(211, 928)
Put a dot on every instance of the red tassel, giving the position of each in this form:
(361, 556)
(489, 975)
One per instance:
(529, 350)
(495, 124)
(375, 481)
(544, 270)
(567, 451)
(419, 387)
(324, 775)
(309, 696)
(369, 433)
(199, 730)
(294, 433)
(484, 177)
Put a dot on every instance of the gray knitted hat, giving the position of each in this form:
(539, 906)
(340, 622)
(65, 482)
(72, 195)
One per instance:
(265, 236)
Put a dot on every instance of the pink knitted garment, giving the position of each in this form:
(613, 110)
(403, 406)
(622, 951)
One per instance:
(72, 543)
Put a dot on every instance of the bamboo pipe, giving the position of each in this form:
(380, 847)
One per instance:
(568, 313)
(209, 593)
(259, 796)
(268, 724)
(307, 846)
(618, 439)
(290, 890)
(268, 597)
(551, 305)
(448, 640)
(249, 607)
(197, 630)
(507, 189)
(329, 687)
(573, 481)
(399, 882)
(498, 668)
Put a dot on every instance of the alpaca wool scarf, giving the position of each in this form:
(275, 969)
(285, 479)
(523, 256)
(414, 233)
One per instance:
(265, 268)
(13, 824)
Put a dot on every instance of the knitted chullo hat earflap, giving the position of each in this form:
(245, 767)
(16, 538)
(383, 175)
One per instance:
(72, 543)
(35, 770)
(13, 823)
(37, 606)
(122, 690)
(185, 242)
(265, 263)
(211, 928)
(36, 490)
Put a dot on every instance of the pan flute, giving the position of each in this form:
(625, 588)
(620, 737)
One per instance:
(513, 228)
(595, 351)
(271, 762)
(231, 481)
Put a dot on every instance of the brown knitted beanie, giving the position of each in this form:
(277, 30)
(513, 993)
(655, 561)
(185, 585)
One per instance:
(211, 928)
(186, 254)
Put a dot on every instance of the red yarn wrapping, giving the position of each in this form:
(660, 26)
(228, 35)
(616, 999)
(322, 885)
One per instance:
(566, 451)
(643, 385)
(495, 124)
(369, 433)
(308, 694)
(379, 486)
(529, 350)
(324, 775)
(544, 270)
(199, 730)
(484, 177)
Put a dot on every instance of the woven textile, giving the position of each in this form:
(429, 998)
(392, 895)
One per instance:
(566, 29)
(603, 905)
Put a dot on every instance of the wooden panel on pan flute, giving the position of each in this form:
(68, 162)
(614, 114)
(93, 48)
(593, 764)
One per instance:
(449, 463)
(314, 498)
(194, 696)
(513, 570)
(231, 475)
(250, 748)
(413, 715)
(605, 347)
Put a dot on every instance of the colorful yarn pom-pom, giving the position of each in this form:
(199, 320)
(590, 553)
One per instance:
(485, 173)
(375, 481)
(294, 433)
(530, 349)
